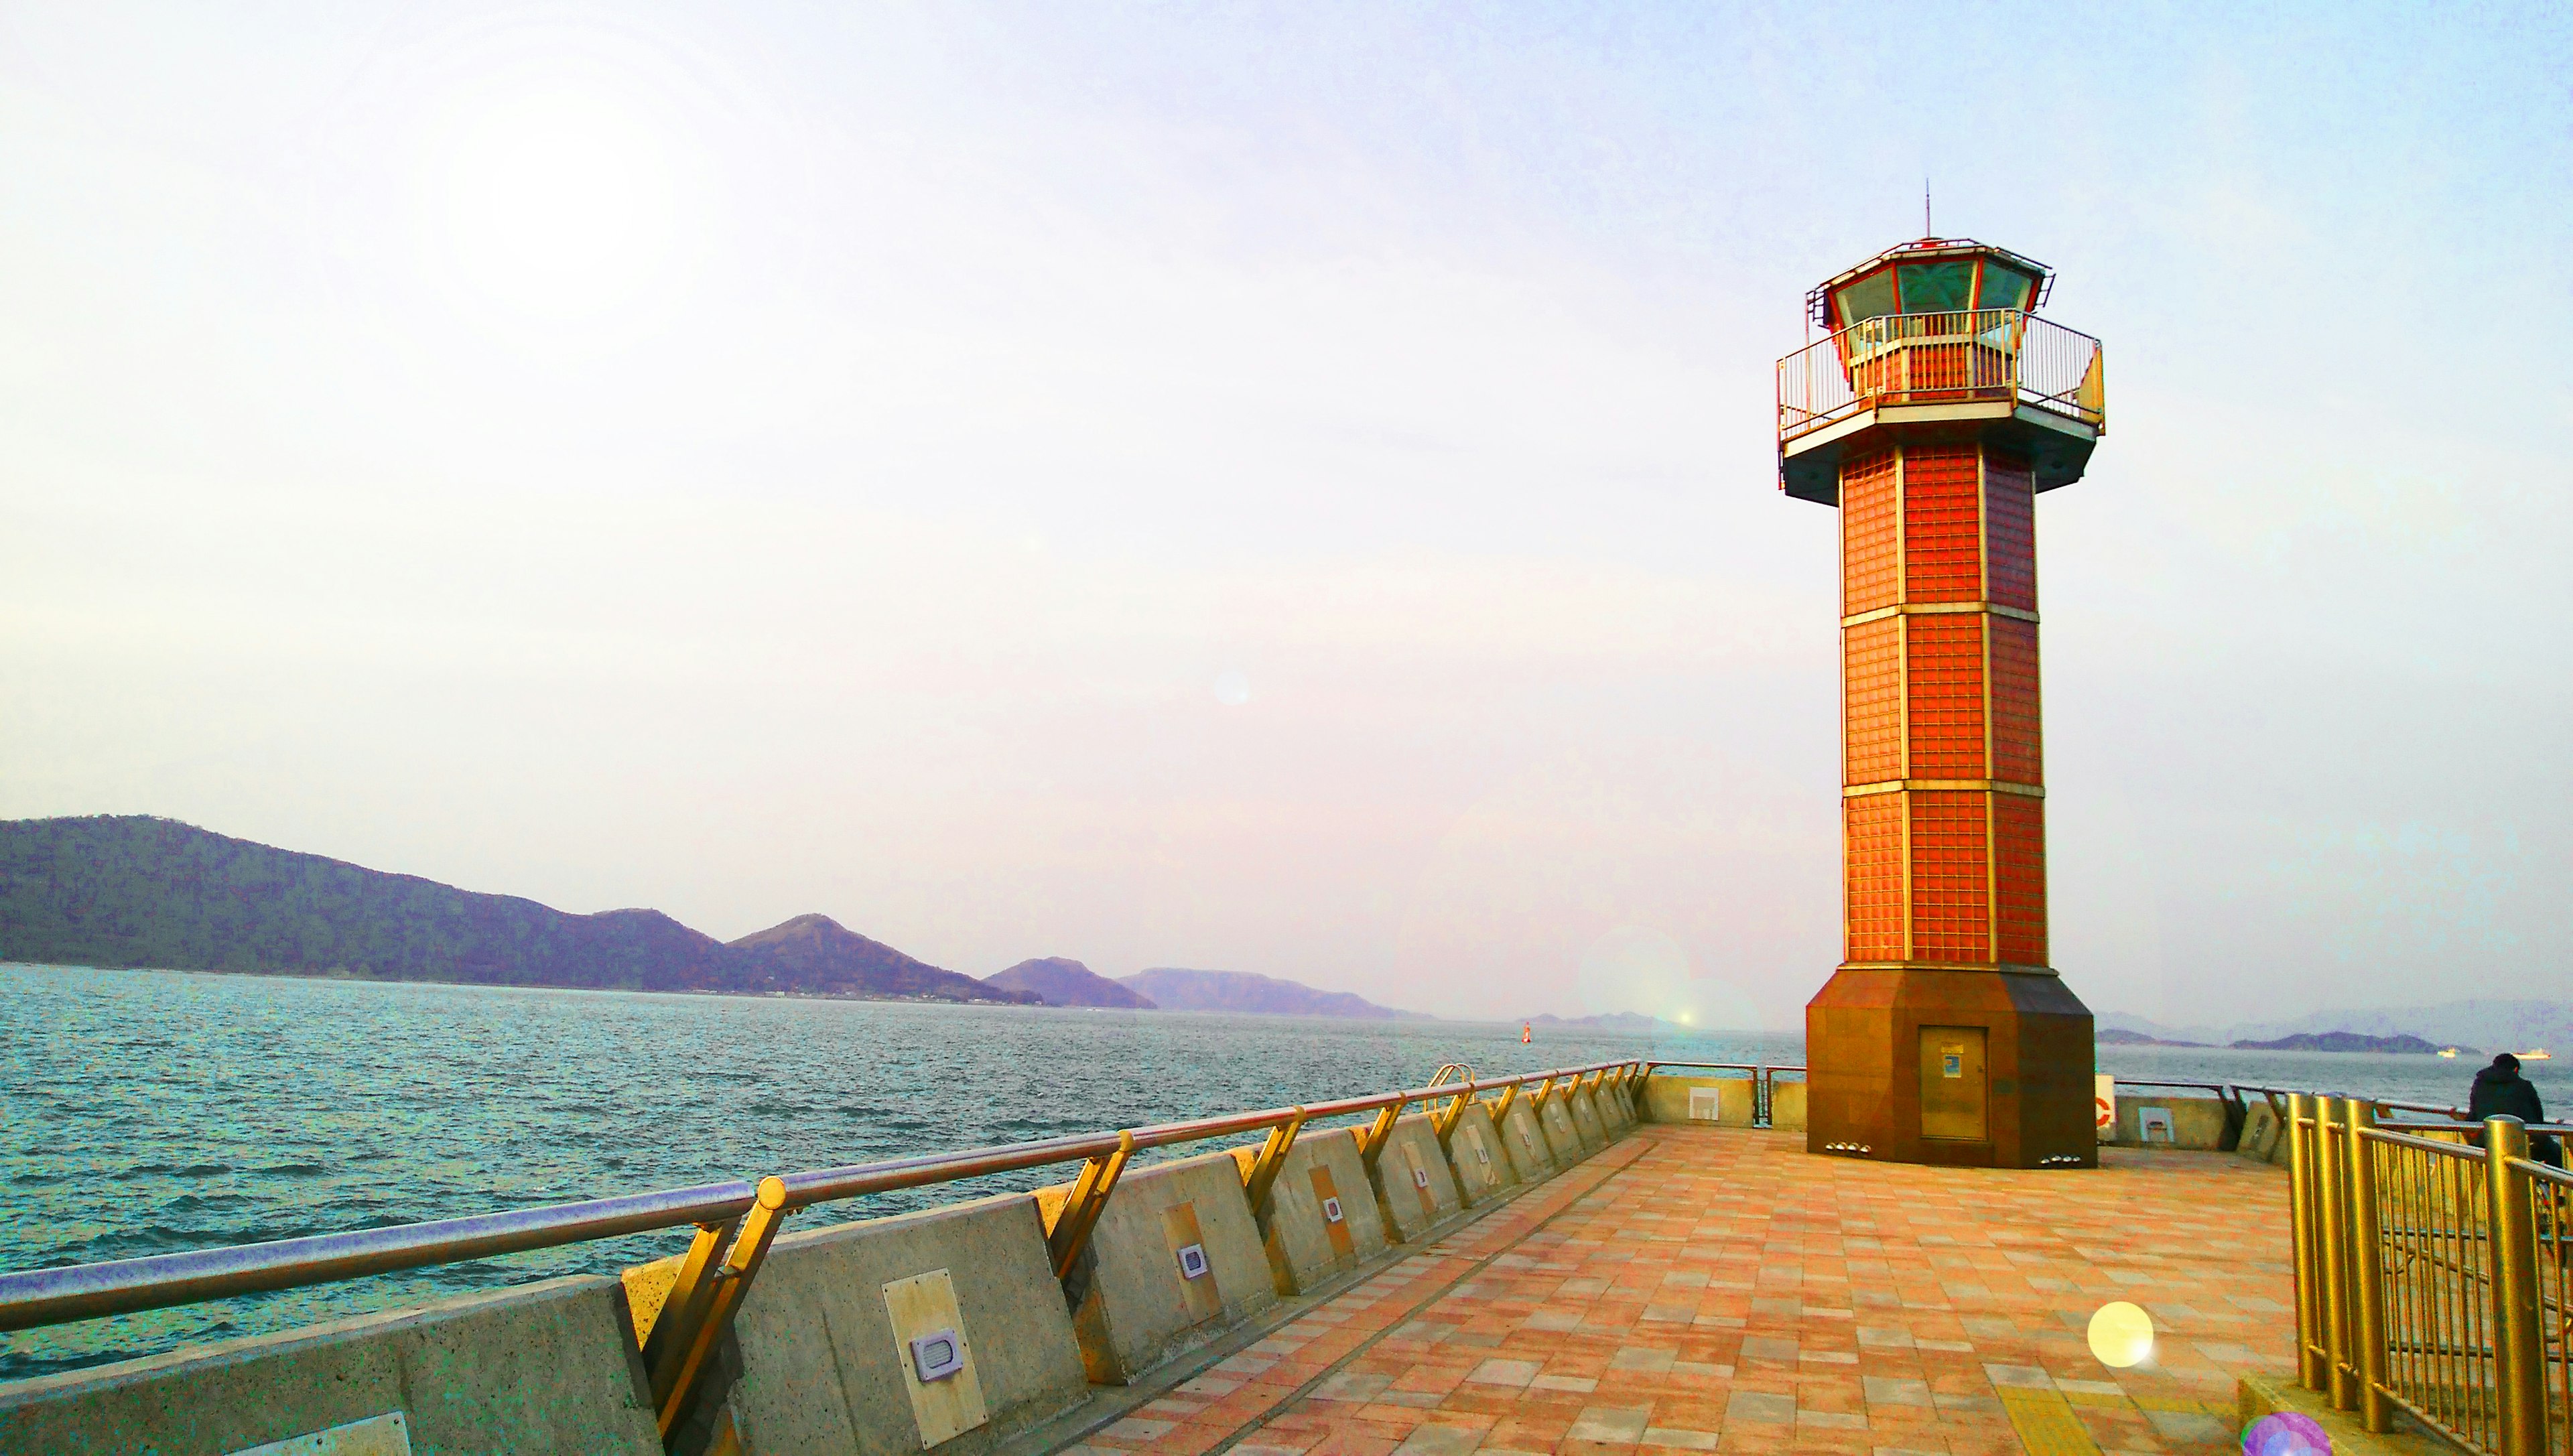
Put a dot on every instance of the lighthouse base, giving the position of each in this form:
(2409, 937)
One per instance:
(1943, 1064)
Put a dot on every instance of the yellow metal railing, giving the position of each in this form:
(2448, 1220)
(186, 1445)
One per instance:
(2432, 1274)
(1964, 356)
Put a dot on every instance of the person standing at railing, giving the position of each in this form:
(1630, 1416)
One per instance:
(2501, 1092)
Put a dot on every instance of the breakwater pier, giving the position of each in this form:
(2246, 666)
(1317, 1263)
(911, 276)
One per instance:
(1623, 1256)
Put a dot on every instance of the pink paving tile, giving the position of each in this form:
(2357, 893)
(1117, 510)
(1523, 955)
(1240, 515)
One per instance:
(1695, 1289)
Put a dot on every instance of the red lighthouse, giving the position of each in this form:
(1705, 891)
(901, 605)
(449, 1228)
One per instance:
(1933, 414)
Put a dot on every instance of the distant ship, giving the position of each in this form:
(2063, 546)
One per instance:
(2540, 1054)
(2449, 1052)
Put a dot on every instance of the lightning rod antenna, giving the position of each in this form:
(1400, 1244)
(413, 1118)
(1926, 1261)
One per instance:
(1926, 230)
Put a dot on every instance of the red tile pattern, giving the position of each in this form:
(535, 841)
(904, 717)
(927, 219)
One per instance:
(1950, 891)
(1943, 546)
(1957, 699)
(1868, 578)
(1871, 703)
(2009, 525)
(1705, 1289)
(1873, 851)
(1944, 667)
(2019, 876)
(2018, 753)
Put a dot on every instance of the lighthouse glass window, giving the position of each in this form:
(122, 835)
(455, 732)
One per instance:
(1937, 288)
(2004, 288)
(1870, 298)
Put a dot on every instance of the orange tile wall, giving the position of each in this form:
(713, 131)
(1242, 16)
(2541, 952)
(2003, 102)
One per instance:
(1872, 825)
(1868, 557)
(1944, 665)
(2019, 876)
(1872, 709)
(1950, 887)
(2016, 749)
(1943, 556)
(2009, 525)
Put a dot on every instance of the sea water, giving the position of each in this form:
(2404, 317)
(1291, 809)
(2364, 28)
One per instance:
(146, 1113)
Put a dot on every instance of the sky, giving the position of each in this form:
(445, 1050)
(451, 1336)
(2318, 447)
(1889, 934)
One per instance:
(1281, 488)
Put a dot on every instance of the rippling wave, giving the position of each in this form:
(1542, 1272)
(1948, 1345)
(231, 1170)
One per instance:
(156, 1111)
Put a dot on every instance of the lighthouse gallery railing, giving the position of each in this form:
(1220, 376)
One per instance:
(1965, 356)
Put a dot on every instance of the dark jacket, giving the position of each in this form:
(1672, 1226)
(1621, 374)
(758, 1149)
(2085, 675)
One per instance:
(2500, 1093)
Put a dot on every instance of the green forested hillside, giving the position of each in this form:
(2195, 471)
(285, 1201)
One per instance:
(138, 891)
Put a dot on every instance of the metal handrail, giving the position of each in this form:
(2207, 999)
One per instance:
(33, 1297)
(1752, 1068)
(2221, 1088)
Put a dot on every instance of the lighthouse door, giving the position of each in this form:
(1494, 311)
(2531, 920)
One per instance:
(1953, 1085)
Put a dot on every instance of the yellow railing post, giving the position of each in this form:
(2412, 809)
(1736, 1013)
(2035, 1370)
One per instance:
(2519, 1352)
(2338, 1377)
(1262, 1176)
(1444, 1122)
(693, 1348)
(1079, 1212)
(2305, 1220)
(1371, 1143)
(2367, 1263)
(691, 1294)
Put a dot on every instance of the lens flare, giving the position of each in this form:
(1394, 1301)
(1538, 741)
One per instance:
(2122, 1334)
(2286, 1433)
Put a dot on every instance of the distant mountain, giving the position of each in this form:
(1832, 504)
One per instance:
(815, 954)
(2476, 1022)
(2346, 1041)
(138, 891)
(2120, 1037)
(1246, 994)
(1058, 981)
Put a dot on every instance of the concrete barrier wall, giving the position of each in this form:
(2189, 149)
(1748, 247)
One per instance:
(1561, 1138)
(1531, 1154)
(2260, 1133)
(822, 1340)
(1612, 1109)
(1787, 1106)
(1476, 1155)
(2196, 1122)
(1136, 1309)
(1585, 1122)
(1416, 1187)
(1322, 1175)
(549, 1367)
(1670, 1099)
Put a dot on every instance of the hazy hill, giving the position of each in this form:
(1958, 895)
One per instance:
(1246, 994)
(138, 891)
(1060, 981)
(814, 952)
(2497, 1024)
(2347, 1042)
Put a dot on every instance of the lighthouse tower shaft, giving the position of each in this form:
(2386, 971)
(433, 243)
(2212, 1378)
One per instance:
(1933, 414)
(1944, 1037)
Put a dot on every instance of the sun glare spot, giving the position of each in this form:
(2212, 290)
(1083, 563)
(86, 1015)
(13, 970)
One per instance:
(2122, 1334)
(1232, 688)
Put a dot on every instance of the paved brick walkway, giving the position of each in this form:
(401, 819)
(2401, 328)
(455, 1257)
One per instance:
(1699, 1289)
